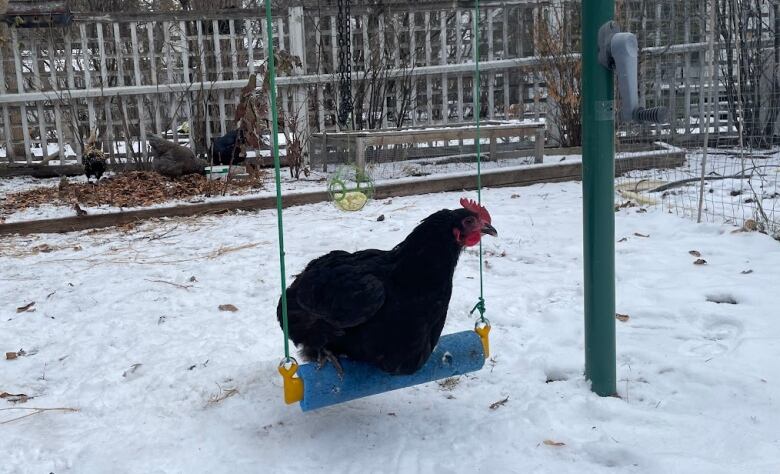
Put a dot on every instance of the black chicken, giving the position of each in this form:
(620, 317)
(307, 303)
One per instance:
(226, 150)
(383, 307)
(93, 158)
(94, 164)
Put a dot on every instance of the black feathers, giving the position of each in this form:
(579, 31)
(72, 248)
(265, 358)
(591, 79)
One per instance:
(383, 307)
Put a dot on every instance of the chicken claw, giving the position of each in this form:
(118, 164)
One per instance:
(327, 356)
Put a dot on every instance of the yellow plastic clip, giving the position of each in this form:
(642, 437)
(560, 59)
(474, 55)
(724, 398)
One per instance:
(293, 386)
(483, 329)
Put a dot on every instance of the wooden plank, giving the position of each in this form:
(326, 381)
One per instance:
(250, 49)
(657, 85)
(9, 149)
(384, 60)
(319, 86)
(21, 88)
(169, 68)
(369, 93)
(155, 98)
(138, 82)
(38, 84)
(428, 79)
(505, 45)
(413, 63)
(399, 120)
(459, 59)
(445, 93)
(280, 33)
(491, 75)
(120, 78)
(185, 58)
(203, 81)
(70, 79)
(87, 70)
(687, 71)
(309, 79)
(334, 50)
(233, 50)
(217, 38)
(517, 176)
(108, 133)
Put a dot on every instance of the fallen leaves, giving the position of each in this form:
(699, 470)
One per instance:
(550, 442)
(130, 189)
(26, 308)
(695, 253)
(228, 307)
(500, 403)
(700, 261)
(641, 235)
(746, 272)
(622, 317)
(19, 353)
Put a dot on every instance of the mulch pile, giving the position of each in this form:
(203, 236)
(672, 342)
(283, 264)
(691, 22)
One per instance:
(130, 189)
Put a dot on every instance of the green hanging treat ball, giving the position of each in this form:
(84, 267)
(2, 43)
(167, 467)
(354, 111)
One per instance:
(349, 188)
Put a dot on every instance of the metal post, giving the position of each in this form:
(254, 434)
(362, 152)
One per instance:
(598, 174)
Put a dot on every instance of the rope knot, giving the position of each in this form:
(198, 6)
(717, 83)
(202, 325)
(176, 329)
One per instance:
(480, 306)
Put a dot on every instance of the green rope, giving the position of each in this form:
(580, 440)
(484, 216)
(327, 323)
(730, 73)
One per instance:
(480, 306)
(277, 172)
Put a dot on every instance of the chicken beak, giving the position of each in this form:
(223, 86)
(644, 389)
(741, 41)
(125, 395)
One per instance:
(490, 230)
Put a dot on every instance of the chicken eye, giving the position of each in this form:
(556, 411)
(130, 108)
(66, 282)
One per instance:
(470, 221)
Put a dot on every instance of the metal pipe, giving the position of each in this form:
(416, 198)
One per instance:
(598, 175)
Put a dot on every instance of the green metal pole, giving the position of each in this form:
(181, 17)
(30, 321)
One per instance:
(598, 175)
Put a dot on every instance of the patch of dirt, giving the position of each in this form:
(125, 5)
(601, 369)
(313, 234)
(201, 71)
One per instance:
(130, 189)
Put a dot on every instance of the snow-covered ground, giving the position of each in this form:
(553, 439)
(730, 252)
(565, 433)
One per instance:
(165, 382)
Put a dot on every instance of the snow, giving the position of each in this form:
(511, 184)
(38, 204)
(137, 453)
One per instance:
(698, 384)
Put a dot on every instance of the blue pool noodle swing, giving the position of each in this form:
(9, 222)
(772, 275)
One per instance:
(317, 387)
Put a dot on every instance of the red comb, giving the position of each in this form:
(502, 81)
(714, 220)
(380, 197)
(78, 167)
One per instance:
(479, 210)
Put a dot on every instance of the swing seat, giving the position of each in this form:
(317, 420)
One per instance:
(455, 354)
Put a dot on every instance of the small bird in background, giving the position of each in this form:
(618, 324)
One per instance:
(384, 307)
(93, 158)
(173, 160)
(228, 149)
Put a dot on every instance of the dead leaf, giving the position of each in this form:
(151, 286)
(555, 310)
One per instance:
(746, 272)
(550, 442)
(228, 307)
(499, 403)
(15, 397)
(22, 309)
(695, 253)
(623, 239)
(641, 235)
(622, 317)
(700, 261)
(514, 196)
(11, 355)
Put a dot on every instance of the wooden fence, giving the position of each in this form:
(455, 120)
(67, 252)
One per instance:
(128, 76)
